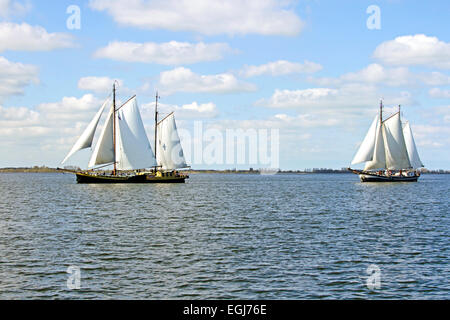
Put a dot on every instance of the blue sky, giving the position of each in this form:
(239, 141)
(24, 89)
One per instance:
(311, 69)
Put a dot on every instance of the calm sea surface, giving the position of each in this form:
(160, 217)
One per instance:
(225, 237)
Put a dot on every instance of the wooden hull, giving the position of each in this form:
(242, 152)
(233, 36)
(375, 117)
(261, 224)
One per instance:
(370, 178)
(374, 177)
(143, 178)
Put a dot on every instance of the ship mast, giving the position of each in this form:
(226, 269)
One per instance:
(156, 121)
(381, 111)
(114, 126)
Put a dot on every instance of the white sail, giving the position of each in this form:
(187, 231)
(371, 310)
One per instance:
(133, 148)
(379, 153)
(85, 140)
(396, 154)
(365, 151)
(169, 151)
(414, 158)
(104, 149)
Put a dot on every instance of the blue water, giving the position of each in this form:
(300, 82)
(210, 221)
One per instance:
(224, 237)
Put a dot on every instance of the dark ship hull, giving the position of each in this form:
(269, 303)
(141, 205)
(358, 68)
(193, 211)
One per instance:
(144, 178)
(366, 176)
(148, 177)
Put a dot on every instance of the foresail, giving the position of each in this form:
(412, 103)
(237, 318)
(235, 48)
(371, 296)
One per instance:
(133, 148)
(365, 151)
(169, 151)
(396, 154)
(86, 138)
(104, 149)
(414, 158)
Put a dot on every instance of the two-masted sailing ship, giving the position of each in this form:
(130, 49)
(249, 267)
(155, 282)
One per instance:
(123, 143)
(388, 151)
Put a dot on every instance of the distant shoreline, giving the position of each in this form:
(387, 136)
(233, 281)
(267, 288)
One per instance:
(44, 169)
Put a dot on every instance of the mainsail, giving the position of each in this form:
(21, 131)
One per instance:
(86, 138)
(169, 152)
(394, 142)
(123, 139)
(133, 147)
(388, 145)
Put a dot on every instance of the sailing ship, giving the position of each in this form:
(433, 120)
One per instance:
(123, 143)
(388, 151)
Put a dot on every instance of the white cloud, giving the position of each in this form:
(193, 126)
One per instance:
(23, 37)
(431, 136)
(187, 111)
(376, 74)
(435, 79)
(280, 67)
(184, 80)
(168, 53)
(340, 100)
(98, 84)
(52, 127)
(416, 49)
(439, 93)
(210, 17)
(64, 115)
(69, 110)
(9, 8)
(18, 117)
(444, 112)
(14, 77)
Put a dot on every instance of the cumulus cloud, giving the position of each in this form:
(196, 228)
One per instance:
(431, 136)
(69, 109)
(52, 127)
(193, 110)
(9, 8)
(24, 37)
(280, 67)
(416, 49)
(168, 53)
(210, 17)
(18, 117)
(435, 78)
(98, 84)
(14, 77)
(376, 74)
(439, 93)
(184, 80)
(337, 99)
(69, 115)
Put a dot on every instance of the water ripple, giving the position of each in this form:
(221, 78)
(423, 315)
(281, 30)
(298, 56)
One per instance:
(224, 237)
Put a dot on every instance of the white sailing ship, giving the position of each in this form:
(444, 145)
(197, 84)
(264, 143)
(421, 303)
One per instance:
(123, 143)
(388, 151)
